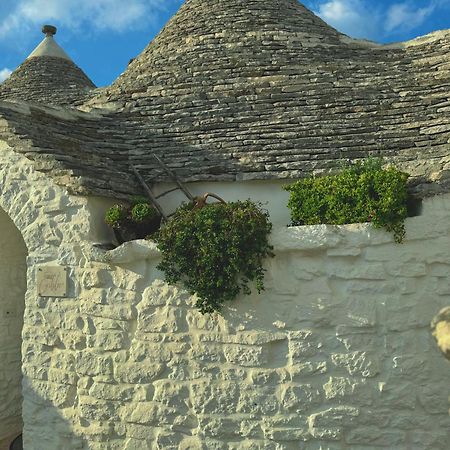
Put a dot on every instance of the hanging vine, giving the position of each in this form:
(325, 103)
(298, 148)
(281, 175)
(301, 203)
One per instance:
(216, 250)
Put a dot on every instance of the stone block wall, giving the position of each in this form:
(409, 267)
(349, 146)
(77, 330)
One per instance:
(53, 227)
(12, 304)
(335, 354)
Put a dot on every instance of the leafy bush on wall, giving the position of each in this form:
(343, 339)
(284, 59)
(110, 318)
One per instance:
(216, 250)
(362, 192)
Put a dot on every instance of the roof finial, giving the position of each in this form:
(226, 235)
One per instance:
(49, 30)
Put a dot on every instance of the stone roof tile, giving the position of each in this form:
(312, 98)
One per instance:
(47, 76)
(263, 89)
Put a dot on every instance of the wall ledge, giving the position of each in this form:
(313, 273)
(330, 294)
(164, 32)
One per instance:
(432, 224)
(312, 237)
(126, 253)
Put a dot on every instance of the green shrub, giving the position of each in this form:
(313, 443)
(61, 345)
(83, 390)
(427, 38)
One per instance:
(142, 212)
(115, 216)
(216, 251)
(363, 192)
(135, 221)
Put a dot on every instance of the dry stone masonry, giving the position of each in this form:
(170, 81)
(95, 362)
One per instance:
(52, 226)
(34, 82)
(251, 89)
(336, 354)
(47, 76)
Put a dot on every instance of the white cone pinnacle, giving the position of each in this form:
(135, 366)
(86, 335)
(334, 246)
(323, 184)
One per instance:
(48, 47)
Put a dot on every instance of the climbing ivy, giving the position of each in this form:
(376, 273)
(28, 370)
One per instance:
(216, 250)
(362, 192)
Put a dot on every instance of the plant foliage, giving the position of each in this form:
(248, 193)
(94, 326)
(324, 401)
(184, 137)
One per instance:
(216, 251)
(142, 212)
(362, 192)
(115, 215)
(134, 221)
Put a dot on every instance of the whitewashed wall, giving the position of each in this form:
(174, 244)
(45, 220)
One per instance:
(269, 193)
(54, 227)
(12, 303)
(336, 354)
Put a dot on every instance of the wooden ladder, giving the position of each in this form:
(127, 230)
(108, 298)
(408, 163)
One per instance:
(179, 186)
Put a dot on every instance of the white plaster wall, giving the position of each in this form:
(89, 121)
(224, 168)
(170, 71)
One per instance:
(336, 354)
(270, 193)
(12, 305)
(54, 227)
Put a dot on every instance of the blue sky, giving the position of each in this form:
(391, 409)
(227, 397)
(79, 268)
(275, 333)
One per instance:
(102, 35)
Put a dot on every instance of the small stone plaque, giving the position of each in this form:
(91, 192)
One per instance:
(52, 281)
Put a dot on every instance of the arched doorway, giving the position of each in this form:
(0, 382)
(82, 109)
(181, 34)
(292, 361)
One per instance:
(13, 253)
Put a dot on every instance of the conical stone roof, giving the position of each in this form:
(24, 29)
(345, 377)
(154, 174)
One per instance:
(210, 42)
(250, 90)
(47, 76)
(258, 89)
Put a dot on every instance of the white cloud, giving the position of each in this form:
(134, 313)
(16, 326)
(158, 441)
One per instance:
(352, 17)
(375, 20)
(115, 15)
(4, 74)
(405, 17)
